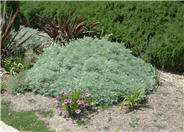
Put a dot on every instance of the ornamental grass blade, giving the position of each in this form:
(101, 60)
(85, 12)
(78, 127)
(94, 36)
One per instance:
(93, 23)
(70, 16)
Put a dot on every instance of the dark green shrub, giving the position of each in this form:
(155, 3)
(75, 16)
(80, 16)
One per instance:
(168, 48)
(99, 66)
(130, 22)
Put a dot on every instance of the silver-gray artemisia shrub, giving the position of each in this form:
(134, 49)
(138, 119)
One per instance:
(38, 39)
(101, 67)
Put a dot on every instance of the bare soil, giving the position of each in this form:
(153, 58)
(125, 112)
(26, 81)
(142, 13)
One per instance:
(164, 111)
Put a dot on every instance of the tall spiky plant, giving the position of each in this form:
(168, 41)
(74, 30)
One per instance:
(65, 30)
(8, 44)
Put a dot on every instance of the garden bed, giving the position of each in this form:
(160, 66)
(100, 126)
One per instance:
(163, 111)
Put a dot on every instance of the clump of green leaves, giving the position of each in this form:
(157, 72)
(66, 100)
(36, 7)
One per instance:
(65, 30)
(15, 64)
(131, 99)
(99, 66)
(17, 83)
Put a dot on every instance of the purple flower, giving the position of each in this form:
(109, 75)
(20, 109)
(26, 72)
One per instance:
(91, 103)
(69, 100)
(83, 105)
(65, 102)
(80, 101)
(87, 95)
(62, 111)
(57, 97)
(86, 104)
(65, 92)
(77, 111)
(56, 104)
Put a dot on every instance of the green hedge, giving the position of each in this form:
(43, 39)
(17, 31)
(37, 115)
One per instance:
(130, 22)
(99, 66)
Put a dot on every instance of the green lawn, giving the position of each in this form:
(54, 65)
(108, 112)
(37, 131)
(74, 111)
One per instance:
(24, 120)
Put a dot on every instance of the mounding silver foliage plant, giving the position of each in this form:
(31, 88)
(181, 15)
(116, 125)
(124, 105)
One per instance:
(101, 67)
(38, 39)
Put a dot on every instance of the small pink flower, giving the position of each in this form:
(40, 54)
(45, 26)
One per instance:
(87, 95)
(57, 97)
(63, 111)
(86, 104)
(77, 111)
(80, 101)
(65, 92)
(65, 101)
(69, 100)
(91, 103)
(56, 104)
(83, 105)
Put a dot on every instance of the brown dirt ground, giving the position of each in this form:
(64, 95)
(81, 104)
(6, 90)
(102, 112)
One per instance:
(164, 111)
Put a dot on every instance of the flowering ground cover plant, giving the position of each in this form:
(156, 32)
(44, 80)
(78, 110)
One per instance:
(74, 102)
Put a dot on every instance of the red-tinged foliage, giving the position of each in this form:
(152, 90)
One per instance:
(65, 30)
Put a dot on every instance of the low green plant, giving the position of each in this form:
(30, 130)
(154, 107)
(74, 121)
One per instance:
(131, 99)
(134, 122)
(74, 103)
(15, 64)
(17, 83)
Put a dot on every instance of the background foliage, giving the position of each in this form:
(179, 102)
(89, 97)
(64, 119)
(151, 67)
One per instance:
(131, 23)
(99, 66)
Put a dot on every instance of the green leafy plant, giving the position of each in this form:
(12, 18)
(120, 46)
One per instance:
(74, 102)
(17, 83)
(15, 64)
(65, 30)
(99, 66)
(131, 99)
